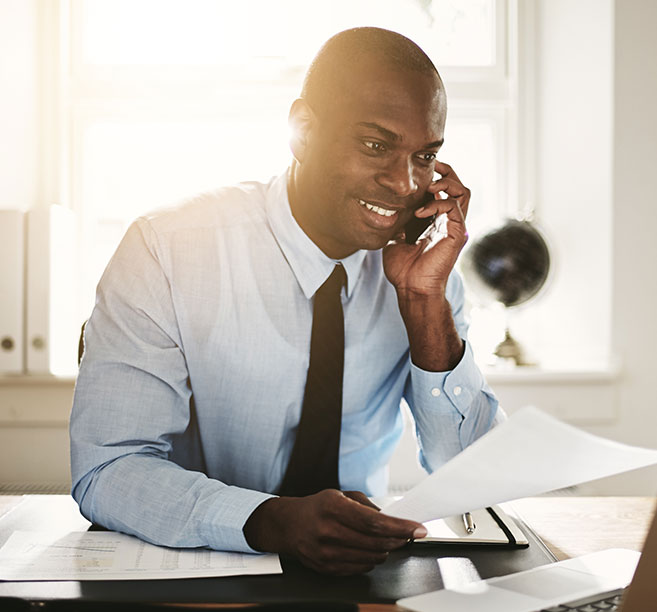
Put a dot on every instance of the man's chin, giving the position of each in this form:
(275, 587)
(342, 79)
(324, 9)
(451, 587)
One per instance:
(376, 241)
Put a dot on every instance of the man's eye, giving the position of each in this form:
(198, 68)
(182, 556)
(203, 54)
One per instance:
(427, 157)
(377, 147)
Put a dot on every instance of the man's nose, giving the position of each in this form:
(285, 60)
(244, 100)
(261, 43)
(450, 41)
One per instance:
(398, 177)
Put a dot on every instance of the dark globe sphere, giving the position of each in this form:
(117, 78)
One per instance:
(509, 264)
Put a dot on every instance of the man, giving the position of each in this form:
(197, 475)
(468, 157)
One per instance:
(191, 389)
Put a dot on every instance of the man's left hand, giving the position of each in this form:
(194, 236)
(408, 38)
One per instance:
(419, 273)
(415, 269)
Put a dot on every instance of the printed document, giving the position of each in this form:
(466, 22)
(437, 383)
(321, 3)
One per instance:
(107, 555)
(529, 454)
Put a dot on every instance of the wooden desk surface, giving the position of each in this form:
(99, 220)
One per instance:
(573, 526)
(569, 526)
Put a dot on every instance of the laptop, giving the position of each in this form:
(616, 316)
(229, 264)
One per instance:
(588, 583)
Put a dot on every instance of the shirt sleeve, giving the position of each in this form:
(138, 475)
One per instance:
(132, 397)
(451, 409)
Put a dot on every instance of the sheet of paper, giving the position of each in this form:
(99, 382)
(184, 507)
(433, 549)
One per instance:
(107, 555)
(529, 454)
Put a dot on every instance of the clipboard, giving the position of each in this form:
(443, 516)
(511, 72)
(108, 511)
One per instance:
(494, 526)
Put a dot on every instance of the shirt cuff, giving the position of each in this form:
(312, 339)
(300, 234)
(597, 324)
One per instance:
(227, 524)
(459, 385)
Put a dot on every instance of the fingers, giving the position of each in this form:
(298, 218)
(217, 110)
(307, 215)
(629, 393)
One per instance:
(450, 207)
(450, 184)
(342, 535)
(339, 549)
(453, 190)
(337, 541)
(445, 170)
(346, 533)
(449, 227)
(370, 522)
(451, 187)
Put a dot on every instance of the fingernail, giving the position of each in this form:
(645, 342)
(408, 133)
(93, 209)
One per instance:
(420, 532)
(419, 210)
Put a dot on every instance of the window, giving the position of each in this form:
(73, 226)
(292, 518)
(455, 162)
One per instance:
(159, 100)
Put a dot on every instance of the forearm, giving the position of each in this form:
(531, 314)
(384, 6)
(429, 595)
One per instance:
(434, 342)
(162, 503)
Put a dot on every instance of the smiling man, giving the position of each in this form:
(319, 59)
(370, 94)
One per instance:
(193, 420)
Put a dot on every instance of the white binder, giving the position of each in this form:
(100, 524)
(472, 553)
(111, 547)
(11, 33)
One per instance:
(12, 242)
(52, 323)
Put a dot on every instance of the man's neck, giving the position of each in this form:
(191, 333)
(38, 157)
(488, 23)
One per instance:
(298, 206)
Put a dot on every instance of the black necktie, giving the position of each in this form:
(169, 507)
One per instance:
(313, 464)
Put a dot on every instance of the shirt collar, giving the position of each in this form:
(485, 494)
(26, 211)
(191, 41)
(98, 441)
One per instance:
(309, 264)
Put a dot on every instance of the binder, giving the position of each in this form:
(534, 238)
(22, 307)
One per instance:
(52, 321)
(12, 242)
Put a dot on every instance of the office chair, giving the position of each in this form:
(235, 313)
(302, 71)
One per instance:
(81, 343)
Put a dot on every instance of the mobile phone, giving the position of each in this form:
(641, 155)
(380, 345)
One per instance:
(416, 226)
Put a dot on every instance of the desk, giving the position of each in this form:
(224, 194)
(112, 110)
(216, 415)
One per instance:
(573, 526)
(570, 526)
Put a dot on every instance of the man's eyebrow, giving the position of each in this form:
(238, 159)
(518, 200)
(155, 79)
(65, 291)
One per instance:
(390, 135)
(379, 128)
(436, 144)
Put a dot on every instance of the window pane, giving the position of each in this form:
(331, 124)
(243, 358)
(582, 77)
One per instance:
(471, 151)
(287, 32)
(129, 168)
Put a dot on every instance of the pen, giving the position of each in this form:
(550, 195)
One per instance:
(468, 522)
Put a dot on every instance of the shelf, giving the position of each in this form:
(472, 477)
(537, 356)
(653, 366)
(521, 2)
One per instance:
(36, 380)
(530, 375)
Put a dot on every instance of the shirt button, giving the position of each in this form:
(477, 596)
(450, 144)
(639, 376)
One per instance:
(435, 391)
(457, 390)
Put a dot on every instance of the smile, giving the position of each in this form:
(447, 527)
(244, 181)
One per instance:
(384, 212)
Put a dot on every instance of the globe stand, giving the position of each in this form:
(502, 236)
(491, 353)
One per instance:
(510, 348)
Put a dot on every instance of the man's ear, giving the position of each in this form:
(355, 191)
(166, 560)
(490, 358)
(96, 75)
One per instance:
(301, 121)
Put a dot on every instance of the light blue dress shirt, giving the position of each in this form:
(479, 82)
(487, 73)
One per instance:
(196, 354)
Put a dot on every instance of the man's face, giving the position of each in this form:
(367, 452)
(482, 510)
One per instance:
(369, 159)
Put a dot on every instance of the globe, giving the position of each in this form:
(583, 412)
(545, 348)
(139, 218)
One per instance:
(509, 264)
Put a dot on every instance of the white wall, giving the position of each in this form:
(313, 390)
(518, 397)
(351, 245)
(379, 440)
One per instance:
(574, 80)
(596, 155)
(635, 223)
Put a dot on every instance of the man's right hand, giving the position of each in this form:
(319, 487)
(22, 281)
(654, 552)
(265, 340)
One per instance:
(331, 531)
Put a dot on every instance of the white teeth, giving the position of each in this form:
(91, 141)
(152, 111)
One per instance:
(384, 212)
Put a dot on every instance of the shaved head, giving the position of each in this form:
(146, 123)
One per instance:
(338, 61)
(367, 129)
